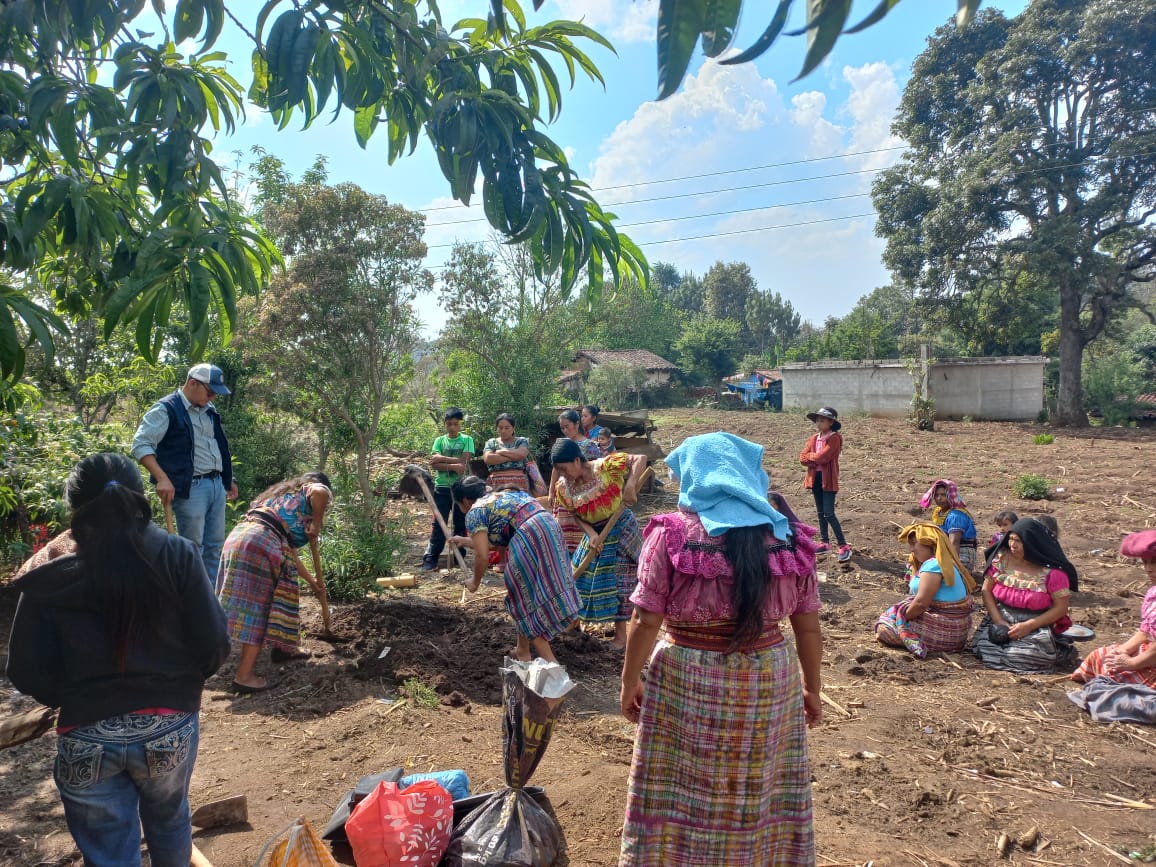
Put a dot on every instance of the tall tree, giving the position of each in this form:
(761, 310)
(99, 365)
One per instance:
(112, 195)
(709, 348)
(773, 323)
(1030, 153)
(727, 287)
(337, 329)
(637, 317)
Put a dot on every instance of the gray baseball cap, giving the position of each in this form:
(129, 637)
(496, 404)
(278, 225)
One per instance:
(210, 375)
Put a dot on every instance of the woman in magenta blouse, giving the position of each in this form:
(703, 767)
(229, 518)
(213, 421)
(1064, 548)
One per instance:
(1026, 595)
(720, 773)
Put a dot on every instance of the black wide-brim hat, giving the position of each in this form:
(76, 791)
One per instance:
(826, 412)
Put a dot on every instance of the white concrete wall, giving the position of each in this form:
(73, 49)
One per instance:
(1001, 389)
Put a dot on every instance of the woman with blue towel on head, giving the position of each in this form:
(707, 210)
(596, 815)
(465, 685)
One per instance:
(720, 773)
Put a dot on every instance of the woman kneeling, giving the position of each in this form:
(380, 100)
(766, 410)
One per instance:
(936, 617)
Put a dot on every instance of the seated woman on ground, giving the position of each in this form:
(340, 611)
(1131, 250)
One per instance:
(540, 593)
(936, 617)
(1134, 661)
(949, 511)
(1026, 594)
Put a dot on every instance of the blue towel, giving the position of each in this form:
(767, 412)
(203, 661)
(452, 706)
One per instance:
(454, 782)
(722, 480)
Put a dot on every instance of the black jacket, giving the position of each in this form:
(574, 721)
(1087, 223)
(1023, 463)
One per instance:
(60, 653)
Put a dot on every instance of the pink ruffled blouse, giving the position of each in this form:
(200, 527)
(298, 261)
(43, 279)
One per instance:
(1033, 592)
(684, 573)
(1148, 613)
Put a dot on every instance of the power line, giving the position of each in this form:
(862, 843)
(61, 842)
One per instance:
(712, 174)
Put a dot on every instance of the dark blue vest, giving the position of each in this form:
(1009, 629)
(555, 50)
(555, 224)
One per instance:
(175, 450)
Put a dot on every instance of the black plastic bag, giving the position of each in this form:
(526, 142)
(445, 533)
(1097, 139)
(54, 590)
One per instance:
(335, 828)
(510, 829)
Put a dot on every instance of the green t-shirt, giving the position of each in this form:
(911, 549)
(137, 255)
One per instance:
(460, 445)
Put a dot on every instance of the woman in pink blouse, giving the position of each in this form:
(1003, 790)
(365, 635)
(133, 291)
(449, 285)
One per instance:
(720, 773)
(1026, 593)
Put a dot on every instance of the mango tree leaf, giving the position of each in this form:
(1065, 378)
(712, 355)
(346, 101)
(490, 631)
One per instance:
(768, 37)
(719, 24)
(825, 20)
(679, 24)
(966, 11)
(876, 15)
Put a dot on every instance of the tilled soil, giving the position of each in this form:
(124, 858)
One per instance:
(917, 762)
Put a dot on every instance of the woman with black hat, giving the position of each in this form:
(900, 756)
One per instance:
(821, 458)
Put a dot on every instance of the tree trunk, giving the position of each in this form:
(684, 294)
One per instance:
(1070, 400)
(363, 482)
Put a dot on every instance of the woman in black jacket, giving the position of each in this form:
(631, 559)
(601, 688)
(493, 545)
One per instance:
(120, 636)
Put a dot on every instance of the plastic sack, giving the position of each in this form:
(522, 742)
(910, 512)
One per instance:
(509, 829)
(392, 828)
(457, 783)
(301, 848)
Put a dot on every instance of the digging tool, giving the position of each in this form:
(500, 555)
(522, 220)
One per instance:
(233, 810)
(416, 480)
(197, 858)
(322, 593)
(581, 568)
(169, 523)
(317, 584)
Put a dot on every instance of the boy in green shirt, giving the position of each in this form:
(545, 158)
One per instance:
(450, 461)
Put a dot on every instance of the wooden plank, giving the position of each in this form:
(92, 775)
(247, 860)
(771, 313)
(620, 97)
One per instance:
(26, 727)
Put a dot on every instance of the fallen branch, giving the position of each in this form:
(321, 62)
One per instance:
(826, 698)
(1107, 849)
(26, 727)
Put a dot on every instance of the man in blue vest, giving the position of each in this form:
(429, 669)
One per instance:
(181, 443)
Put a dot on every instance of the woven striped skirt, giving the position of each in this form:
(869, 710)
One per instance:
(604, 588)
(1094, 666)
(540, 593)
(942, 628)
(572, 531)
(259, 593)
(720, 774)
(516, 479)
(1040, 651)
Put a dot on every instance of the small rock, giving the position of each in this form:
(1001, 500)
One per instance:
(987, 702)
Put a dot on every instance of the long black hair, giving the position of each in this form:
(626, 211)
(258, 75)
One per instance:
(110, 515)
(468, 488)
(292, 484)
(746, 549)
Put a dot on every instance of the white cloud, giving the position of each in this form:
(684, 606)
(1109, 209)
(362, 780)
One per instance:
(871, 106)
(621, 21)
(807, 112)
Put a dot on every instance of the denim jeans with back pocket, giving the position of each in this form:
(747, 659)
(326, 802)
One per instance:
(123, 774)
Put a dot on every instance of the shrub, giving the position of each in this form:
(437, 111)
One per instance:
(1029, 486)
(357, 550)
(419, 693)
(37, 452)
(1043, 439)
(1111, 385)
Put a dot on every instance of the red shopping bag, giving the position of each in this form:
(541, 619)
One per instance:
(392, 828)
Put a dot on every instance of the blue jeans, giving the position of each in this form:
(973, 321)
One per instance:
(825, 506)
(201, 520)
(124, 773)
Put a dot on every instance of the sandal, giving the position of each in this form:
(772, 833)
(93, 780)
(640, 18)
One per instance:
(245, 689)
(276, 654)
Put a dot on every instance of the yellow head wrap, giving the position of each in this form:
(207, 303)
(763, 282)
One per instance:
(933, 537)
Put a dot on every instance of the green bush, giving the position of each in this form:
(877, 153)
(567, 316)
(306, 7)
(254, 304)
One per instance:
(37, 452)
(1111, 385)
(1032, 487)
(357, 550)
(1043, 439)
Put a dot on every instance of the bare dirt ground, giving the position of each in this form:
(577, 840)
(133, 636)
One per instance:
(917, 762)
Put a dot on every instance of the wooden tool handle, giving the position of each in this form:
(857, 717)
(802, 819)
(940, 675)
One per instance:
(322, 593)
(591, 554)
(442, 522)
(169, 518)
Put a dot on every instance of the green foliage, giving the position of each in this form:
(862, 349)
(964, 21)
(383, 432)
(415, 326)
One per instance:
(680, 24)
(407, 427)
(772, 324)
(1027, 173)
(335, 338)
(637, 317)
(118, 208)
(1030, 486)
(39, 450)
(1112, 382)
(614, 385)
(359, 545)
(1043, 439)
(420, 694)
(921, 412)
(507, 337)
(709, 348)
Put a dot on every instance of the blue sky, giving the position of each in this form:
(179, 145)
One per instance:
(695, 157)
